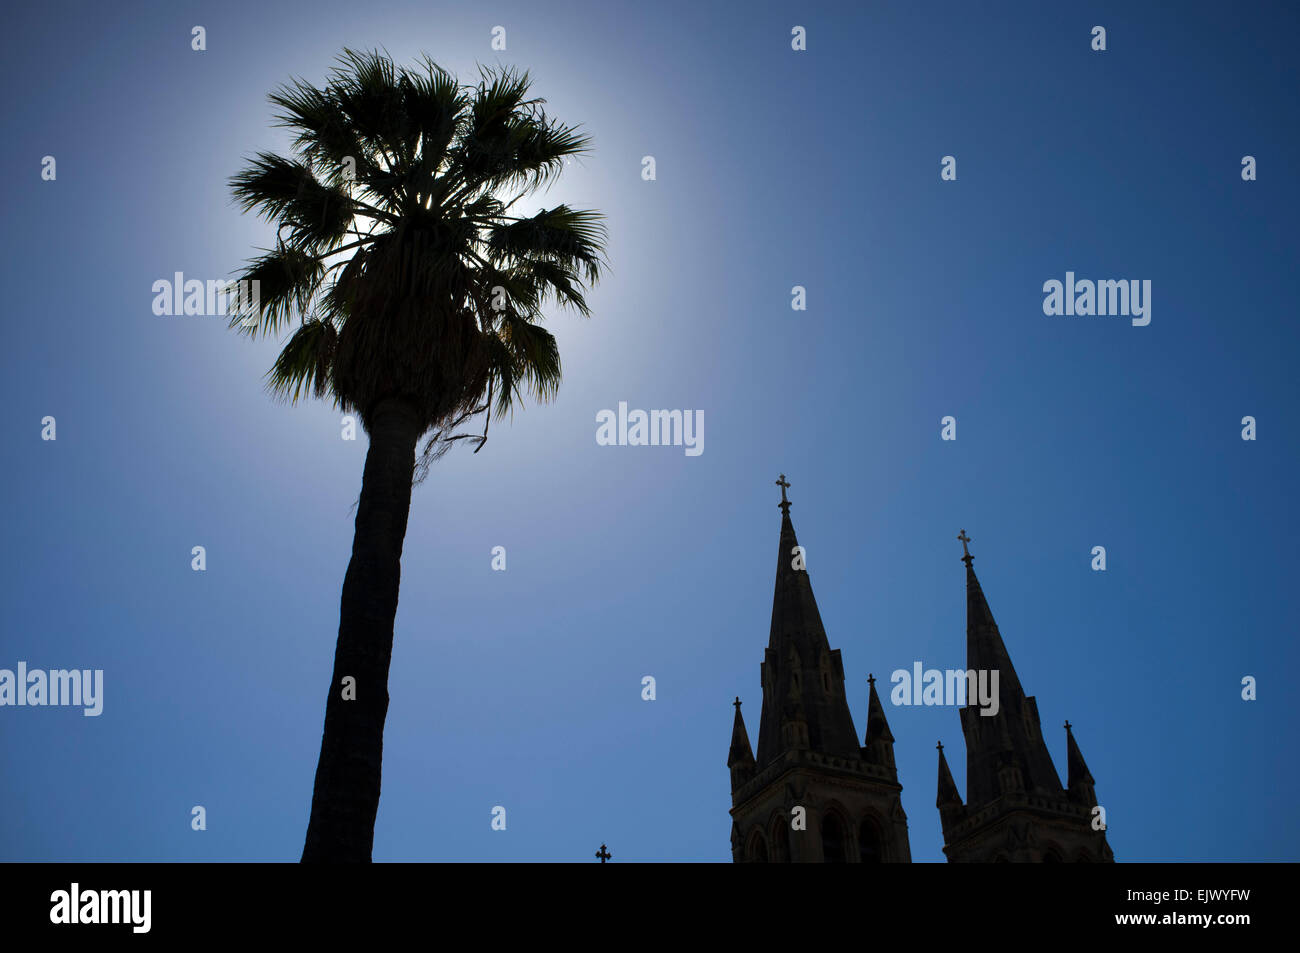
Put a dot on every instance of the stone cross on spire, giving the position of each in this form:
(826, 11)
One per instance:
(966, 556)
(785, 504)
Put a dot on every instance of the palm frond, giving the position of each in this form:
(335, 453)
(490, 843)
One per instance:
(287, 281)
(536, 355)
(305, 363)
(565, 236)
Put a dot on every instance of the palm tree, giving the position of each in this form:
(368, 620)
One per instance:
(417, 298)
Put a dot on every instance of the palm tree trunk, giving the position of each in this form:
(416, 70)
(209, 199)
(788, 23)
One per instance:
(346, 796)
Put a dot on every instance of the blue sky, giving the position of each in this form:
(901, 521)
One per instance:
(775, 168)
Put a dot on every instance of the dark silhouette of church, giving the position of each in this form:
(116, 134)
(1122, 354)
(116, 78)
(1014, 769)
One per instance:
(813, 794)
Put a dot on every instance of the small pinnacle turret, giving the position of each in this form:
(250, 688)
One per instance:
(877, 726)
(740, 759)
(878, 746)
(1080, 783)
(948, 796)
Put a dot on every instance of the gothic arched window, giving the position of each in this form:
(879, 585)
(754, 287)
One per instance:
(870, 844)
(757, 848)
(779, 832)
(832, 839)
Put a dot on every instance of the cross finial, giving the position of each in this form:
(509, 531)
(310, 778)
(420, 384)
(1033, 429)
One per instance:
(1067, 725)
(785, 503)
(871, 679)
(966, 557)
(603, 854)
(737, 704)
(940, 746)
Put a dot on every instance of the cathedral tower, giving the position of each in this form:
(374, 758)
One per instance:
(1016, 808)
(808, 756)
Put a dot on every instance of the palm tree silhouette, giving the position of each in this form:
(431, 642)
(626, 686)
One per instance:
(417, 298)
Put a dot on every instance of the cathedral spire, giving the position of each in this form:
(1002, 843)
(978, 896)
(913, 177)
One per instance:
(803, 677)
(795, 619)
(985, 650)
(1005, 751)
(809, 755)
